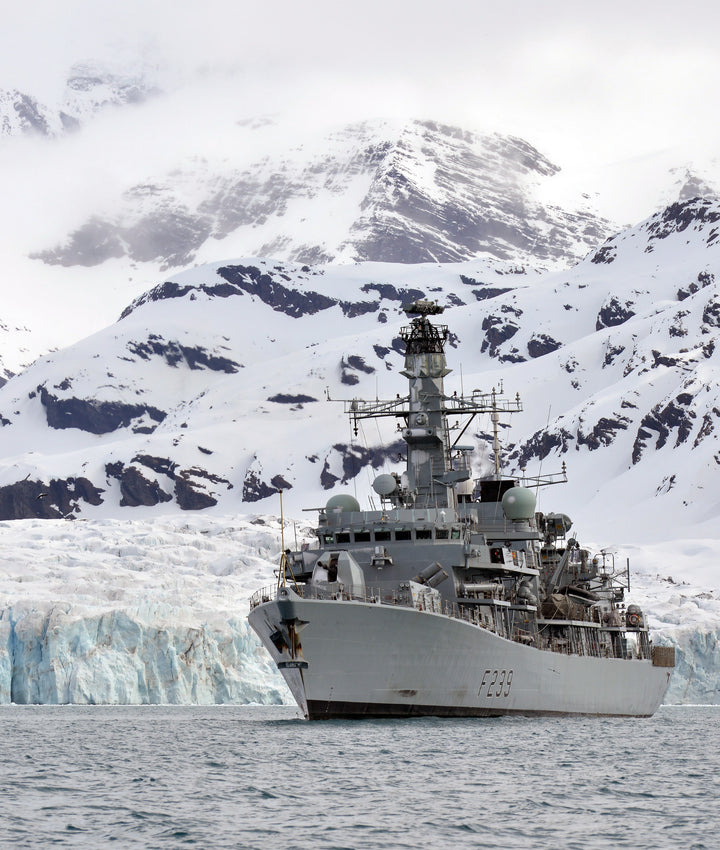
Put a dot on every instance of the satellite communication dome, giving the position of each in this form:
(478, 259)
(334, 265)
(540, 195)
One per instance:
(384, 484)
(342, 502)
(519, 503)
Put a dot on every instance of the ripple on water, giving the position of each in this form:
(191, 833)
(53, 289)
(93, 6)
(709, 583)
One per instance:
(168, 777)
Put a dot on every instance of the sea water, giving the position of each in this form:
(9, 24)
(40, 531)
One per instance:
(261, 777)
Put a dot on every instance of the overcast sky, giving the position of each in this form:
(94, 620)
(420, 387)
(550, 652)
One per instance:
(604, 80)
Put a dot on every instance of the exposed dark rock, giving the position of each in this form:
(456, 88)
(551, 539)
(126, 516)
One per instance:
(174, 353)
(711, 313)
(190, 499)
(488, 292)
(497, 331)
(663, 360)
(358, 308)
(677, 217)
(605, 254)
(404, 221)
(327, 478)
(381, 351)
(160, 465)
(31, 114)
(189, 496)
(97, 417)
(541, 344)
(34, 499)
(135, 489)
(354, 361)
(390, 293)
(611, 353)
(352, 364)
(660, 421)
(707, 427)
(603, 432)
(613, 313)
(703, 279)
(255, 489)
(355, 458)
(540, 445)
(284, 398)
(508, 308)
(281, 298)
(678, 330)
(512, 356)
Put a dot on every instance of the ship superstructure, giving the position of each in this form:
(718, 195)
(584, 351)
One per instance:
(454, 596)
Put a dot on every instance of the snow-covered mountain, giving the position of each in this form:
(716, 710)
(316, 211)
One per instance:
(380, 191)
(208, 395)
(190, 395)
(89, 88)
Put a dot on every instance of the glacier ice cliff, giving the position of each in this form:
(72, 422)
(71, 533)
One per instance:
(154, 611)
(147, 654)
(696, 678)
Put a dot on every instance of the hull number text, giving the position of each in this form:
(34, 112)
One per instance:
(496, 683)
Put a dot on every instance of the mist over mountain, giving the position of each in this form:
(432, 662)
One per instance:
(125, 174)
(373, 191)
(89, 89)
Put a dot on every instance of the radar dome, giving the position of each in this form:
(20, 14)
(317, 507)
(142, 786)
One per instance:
(342, 502)
(384, 484)
(519, 503)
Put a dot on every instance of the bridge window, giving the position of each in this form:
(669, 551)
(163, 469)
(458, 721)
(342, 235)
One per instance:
(382, 535)
(423, 534)
(403, 534)
(362, 536)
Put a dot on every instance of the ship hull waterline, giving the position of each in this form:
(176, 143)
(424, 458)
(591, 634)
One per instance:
(361, 660)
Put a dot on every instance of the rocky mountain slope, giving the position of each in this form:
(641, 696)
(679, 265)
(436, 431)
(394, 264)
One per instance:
(210, 390)
(380, 191)
(89, 88)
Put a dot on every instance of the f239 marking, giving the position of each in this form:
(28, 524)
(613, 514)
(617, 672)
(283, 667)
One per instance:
(496, 683)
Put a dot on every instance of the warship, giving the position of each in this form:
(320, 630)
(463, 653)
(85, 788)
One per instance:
(453, 597)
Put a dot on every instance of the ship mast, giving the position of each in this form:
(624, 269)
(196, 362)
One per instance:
(426, 433)
(435, 464)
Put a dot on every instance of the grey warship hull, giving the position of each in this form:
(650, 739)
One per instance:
(455, 597)
(365, 659)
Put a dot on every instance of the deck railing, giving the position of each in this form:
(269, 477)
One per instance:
(572, 643)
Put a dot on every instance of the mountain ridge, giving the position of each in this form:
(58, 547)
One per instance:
(186, 401)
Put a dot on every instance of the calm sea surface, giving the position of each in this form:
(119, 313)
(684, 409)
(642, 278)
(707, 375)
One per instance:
(251, 777)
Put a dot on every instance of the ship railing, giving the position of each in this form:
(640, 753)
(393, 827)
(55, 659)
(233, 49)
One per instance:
(575, 639)
(382, 596)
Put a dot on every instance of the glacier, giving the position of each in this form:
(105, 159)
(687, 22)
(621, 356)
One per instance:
(119, 612)
(153, 611)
